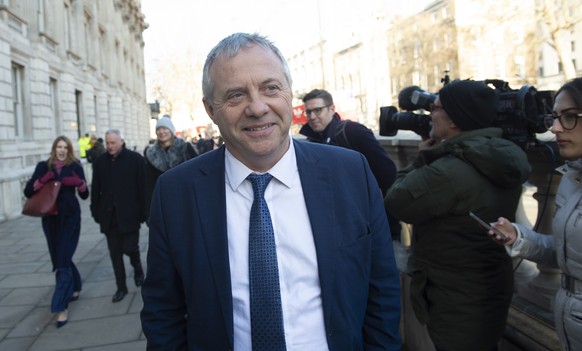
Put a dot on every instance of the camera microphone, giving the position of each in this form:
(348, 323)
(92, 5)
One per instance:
(405, 98)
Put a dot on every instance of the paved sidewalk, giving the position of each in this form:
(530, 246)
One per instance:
(27, 283)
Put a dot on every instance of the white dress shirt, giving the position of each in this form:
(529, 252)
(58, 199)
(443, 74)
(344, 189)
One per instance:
(298, 274)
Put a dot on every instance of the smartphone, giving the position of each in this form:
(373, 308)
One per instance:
(489, 227)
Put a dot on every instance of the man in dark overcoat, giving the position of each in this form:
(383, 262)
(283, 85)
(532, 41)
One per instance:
(118, 206)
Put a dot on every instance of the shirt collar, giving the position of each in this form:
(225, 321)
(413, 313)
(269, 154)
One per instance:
(283, 170)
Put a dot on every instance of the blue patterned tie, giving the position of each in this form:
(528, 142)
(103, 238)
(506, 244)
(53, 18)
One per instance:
(265, 296)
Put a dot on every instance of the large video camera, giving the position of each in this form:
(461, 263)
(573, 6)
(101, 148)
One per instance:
(409, 99)
(520, 112)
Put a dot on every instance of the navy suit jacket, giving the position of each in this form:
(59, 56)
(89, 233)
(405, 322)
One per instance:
(187, 292)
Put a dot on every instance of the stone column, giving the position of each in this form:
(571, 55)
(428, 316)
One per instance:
(541, 289)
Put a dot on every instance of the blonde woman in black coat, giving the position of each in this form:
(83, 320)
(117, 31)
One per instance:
(62, 231)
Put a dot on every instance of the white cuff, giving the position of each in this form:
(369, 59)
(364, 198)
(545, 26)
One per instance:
(514, 249)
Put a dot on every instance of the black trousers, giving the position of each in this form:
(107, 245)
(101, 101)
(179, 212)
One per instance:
(118, 245)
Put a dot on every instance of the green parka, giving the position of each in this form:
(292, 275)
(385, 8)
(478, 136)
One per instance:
(462, 280)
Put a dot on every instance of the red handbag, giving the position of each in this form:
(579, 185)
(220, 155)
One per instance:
(44, 201)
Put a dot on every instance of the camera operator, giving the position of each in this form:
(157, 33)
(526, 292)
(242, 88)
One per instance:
(462, 282)
(324, 125)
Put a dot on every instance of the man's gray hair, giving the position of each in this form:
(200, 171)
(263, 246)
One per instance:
(116, 132)
(230, 47)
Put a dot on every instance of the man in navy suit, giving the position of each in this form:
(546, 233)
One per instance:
(337, 279)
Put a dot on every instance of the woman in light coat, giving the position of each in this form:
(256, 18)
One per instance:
(563, 248)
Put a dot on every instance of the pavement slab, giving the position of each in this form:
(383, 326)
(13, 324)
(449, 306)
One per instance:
(27, 283)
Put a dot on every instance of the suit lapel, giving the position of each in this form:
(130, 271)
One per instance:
(211, 207)
(316, 180)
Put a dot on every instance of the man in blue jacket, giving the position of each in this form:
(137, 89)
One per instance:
(330, 272)
(324, 125)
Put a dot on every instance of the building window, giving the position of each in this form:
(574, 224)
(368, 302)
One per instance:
(42, 16)
(417, 50)
(54, 104)
(95, 127)
(108, 112)
(103, 51)
(445, 12)
(18, 100)
(416, 78)
(81, 130)
(119, 68)
(435, 45)
(67, 25)
(88, 30)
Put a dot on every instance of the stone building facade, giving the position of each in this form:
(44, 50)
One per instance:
(67, 67)
(498, 39)
(501, 39)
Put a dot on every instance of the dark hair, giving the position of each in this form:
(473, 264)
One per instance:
(574, 89)
(319, 94)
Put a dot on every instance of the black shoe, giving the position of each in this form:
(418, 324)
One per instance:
(138, 279)
(62, 319)
(75, 296)
(119, 295)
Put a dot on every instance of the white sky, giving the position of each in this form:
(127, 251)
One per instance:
(176, 24)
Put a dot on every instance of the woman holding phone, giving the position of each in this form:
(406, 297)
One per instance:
(562, 249)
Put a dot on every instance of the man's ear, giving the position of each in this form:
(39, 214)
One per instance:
(209, 108)
(454, 126)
